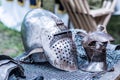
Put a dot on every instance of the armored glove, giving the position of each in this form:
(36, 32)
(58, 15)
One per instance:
(9, 67)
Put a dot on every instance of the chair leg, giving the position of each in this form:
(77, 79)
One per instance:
(69, 23)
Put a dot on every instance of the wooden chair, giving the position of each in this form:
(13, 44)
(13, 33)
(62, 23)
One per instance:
(84, 18)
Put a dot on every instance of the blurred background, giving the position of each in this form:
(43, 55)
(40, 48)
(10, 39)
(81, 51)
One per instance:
(10, 38)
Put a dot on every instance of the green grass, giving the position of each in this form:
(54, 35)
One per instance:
(114, 28)
(10, 41)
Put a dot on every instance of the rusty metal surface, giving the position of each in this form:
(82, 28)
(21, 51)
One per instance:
(50, 73)
(59, 48)
(118, 78)
(43, 29)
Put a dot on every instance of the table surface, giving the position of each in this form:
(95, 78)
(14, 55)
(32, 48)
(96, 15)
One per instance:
(50, 73)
